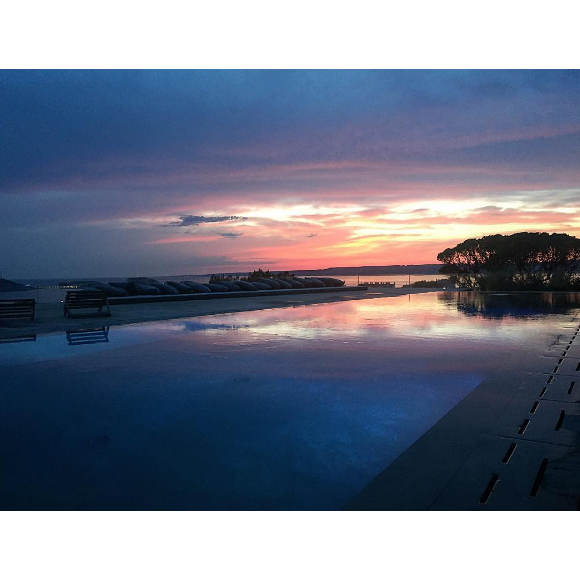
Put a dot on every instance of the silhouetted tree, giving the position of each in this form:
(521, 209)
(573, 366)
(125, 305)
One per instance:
(519, 261)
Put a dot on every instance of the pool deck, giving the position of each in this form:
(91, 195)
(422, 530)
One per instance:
(49, 317)
(512, 444)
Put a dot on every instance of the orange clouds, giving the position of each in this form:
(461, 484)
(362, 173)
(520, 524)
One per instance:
(287, 236)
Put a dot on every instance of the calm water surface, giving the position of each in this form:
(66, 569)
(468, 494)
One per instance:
(295, 408)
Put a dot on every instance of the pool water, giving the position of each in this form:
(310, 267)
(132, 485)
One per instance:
(294, 408)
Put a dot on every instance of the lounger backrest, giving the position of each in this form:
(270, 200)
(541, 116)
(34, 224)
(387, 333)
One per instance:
(23, 308)
(85, 299)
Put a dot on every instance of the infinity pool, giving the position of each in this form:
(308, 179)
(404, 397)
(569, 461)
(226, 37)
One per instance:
(294, 408)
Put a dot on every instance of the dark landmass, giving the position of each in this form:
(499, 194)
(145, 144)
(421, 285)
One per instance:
(413, 269)
(9, 286)
(374, 270)
(440, 283)
(69, 283)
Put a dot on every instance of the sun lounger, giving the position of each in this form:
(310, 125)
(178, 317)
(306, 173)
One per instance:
(86, 300)
(87, 336)
(16, 339)
(15, 309)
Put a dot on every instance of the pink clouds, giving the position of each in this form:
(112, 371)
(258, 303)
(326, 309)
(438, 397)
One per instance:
(325, 178)
(392, 233)
(329, 167)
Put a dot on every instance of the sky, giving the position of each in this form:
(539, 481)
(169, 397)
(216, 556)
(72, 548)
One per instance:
(127, 173)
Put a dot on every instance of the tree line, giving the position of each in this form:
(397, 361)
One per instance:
(522, 261)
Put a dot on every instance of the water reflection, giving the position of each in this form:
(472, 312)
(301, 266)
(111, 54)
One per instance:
(444, 321)
(498, 305)
(87, 336)
(18, 339)
(197, 326)
(295, 408)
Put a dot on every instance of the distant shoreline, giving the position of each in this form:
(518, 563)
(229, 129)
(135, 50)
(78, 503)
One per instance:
(11, 286)
(396, 270)
(417, 270)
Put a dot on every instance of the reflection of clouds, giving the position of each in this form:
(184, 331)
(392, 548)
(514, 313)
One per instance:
(419, 326)
(434, 322)
(195, 326)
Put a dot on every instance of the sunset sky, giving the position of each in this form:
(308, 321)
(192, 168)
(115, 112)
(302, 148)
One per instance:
(114, 173)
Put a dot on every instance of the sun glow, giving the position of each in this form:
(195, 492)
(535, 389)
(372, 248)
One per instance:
(286, 235)
(298, 212)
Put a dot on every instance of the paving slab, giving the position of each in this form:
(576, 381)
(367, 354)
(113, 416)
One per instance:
(566, 333)
(559, 352)
(558, 365)
(538, 420)
(546, 365)
(566, 366)
(511, 474)
(562, 345)
(550, 388)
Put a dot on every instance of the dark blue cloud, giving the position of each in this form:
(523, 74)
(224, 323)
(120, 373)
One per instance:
(96, 125)
(195, 220)
(231, 234)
